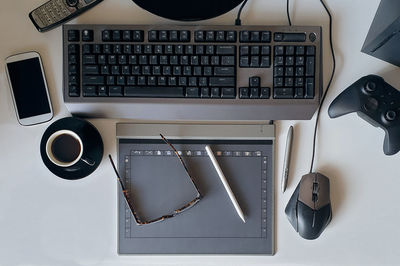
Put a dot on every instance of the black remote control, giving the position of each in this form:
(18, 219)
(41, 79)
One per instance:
(55, 12)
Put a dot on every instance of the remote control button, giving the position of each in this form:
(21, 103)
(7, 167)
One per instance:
(72, 3)
(390, 115)
(370, 86)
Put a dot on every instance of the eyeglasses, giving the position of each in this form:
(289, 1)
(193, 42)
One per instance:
(164, 217)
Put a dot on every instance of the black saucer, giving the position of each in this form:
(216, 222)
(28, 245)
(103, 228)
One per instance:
(93, 147)
(188, 10)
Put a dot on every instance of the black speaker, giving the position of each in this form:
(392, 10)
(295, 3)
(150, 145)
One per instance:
(383, 39)
(188, 10)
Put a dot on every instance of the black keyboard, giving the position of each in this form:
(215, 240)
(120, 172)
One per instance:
(192, 72)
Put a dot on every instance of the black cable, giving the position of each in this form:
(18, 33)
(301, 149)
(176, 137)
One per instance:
(238, 22)
(327, 87)
(288, 13)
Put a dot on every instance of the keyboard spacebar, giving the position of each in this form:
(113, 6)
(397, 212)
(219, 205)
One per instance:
(154, 92)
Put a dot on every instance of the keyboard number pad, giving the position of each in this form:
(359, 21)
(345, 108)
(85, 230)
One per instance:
(294, 72)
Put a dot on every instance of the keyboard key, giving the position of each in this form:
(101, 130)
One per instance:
(244, 61)
(299, 92)
(231, 36)
(310, 50)
(265, 61)
(87, 35)
(153, 36)
(265, 50)
(254, 61)
(283, 93)
(102, 91)
(115, 91)
(255, 36)
(215, 93)
(137, 36)
(162, 92)
(199, 36)
(205, 92)
(210, 36)
(254, 81)
(163, 36)
(310, 67)
(89, 91)
(265, 36)
(244, 50)
(265, 93)
(224, 71)
(243, 93)
(228, 93)
(225, 50)
(126, 35)
(93, 80)
(106, 35)
(73, 35)
(192, 92)
(174, 36)
(116, 35)
(90, 69)
(184, 36)
(309, 89)
(254, 93)
(220, 36)
(228, 61)
(244, 36)
(222, 82)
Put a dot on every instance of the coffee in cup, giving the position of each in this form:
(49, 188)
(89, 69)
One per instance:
(65, 148)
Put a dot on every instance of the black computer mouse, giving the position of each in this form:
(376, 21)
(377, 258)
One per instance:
(309, 209)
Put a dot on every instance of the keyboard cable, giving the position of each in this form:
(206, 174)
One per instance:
(238, 22)
(330, 79)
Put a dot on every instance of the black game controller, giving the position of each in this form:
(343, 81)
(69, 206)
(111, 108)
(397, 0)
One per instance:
(376, 102)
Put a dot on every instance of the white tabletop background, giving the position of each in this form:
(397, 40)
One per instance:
(45, 220)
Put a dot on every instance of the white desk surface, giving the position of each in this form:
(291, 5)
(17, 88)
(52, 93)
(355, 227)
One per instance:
(45, 220)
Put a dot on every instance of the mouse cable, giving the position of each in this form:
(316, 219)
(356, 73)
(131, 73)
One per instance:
(238, 22)
(288, 13)
(327, 87)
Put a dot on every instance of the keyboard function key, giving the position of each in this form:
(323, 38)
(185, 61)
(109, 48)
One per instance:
(153, 36)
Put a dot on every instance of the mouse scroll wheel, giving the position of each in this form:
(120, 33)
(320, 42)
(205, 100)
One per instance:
(315, 192)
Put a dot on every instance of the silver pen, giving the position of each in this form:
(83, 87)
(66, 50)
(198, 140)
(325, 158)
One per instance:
(286, 162)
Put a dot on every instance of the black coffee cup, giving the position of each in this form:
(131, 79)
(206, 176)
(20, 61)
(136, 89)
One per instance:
(71, 148)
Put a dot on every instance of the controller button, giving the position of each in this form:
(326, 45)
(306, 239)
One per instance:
(390, 115)
(371, 104)
(370, 86)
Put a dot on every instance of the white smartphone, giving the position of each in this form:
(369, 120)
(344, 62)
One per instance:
(29, 88)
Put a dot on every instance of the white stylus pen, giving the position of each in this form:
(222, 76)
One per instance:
(225, 182)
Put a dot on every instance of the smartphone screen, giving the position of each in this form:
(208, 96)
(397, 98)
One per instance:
(28, 87)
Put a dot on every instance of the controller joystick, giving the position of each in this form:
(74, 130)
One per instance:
(375, 101)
